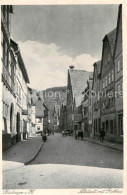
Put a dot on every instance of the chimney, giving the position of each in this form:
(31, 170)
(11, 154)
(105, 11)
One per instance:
(71, 67)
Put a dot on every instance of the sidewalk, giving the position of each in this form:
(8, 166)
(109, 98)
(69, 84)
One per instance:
(22, 153)
(105, 143)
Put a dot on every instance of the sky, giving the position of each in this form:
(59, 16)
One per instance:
(53, 37)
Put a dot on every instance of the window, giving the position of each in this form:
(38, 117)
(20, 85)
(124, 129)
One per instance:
(118, 90)
(118, 66)
(112, 75)
(112, 101)
(103, 105)
(109, 102)
(96, 125)
(103, 83)
(1, 38)
(122, 86)
(108, 57)
(76, 127)
(106, 81)
(90, 115)
(120, 123)
(109, 78)
(121, 62)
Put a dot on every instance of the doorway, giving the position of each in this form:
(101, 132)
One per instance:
(18, 135)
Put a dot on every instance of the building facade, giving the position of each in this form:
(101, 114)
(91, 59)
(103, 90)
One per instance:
(77, 112)
(39, 114)
(29, 107)
(63, 117)
(108, 119)
(21, 92)
(87, 109)
(77, 81)
(118, 59)
(96, 99)
(56, 118)
(8, 80)
(46, 118)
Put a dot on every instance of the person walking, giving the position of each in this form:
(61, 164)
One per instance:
(63, 133)
(44, 137)
(102, 135)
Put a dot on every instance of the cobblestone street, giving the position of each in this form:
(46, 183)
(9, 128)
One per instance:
(68, 163)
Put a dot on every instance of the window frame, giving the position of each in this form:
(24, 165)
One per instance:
(118, 66)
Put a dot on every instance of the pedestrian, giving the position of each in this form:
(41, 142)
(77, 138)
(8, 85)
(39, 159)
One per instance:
(102, 135)
(44, 137)
(63, 133)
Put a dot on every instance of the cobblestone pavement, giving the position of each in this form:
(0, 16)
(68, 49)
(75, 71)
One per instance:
(67, 150)
(65, 163)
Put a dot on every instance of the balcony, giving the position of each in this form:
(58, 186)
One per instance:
(8, 79)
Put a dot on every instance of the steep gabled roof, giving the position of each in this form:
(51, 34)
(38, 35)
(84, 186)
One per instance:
(98, 66)
(119, 30)
(111, 36)
(78, 80)
(90, 83)
(78, 99)
(16, 49)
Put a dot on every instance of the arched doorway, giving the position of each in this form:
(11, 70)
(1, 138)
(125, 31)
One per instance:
(5, 125)
(18, 135)
(11, 117)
